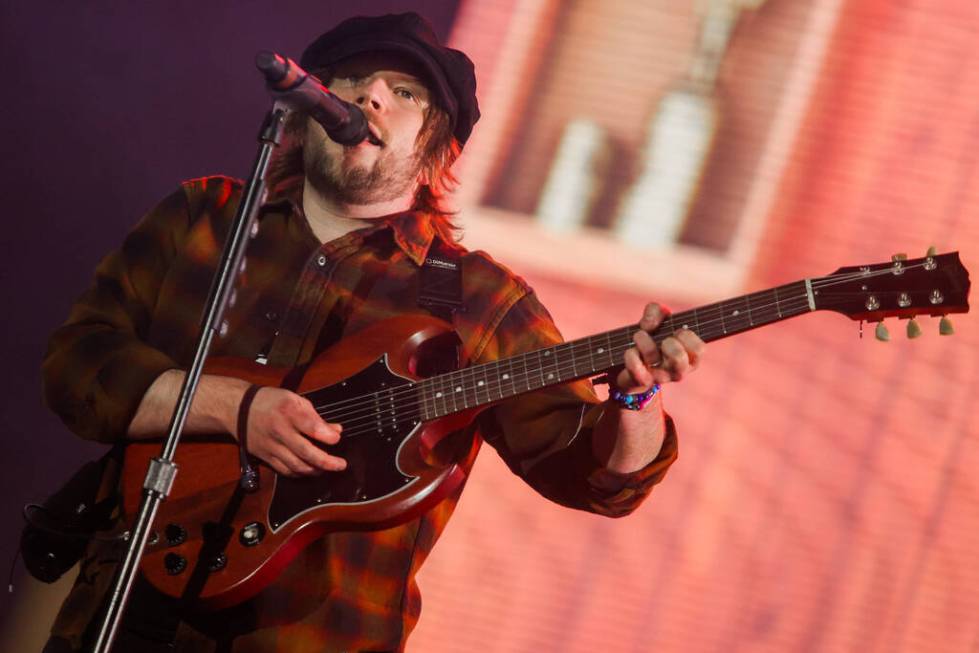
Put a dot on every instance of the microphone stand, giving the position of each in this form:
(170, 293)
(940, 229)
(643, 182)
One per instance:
(162, 470)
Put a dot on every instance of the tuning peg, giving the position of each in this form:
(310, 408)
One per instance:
(901, 256)
(945, 326)
(881, 332)
(913, 329)
(932, 251)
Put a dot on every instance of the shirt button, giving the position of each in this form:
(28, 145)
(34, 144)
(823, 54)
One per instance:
(321, 260)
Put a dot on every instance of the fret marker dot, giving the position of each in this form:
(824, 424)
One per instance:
(459, 389)
(480, 383)
(601, 350)
(735, 312)
(506, 376)
(438, 394)
(547, 353)
(686, 326)
(550, 376)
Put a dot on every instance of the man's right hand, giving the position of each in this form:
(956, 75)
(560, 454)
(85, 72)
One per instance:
(281, 427)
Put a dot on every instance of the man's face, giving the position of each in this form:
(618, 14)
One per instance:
(386, 166)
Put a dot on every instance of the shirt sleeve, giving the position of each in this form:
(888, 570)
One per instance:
(545, 437)
(98, 366)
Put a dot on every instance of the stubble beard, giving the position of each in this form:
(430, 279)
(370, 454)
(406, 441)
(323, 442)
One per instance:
(388, 178)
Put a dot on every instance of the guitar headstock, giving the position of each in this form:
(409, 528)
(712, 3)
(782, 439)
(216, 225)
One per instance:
(933, 285)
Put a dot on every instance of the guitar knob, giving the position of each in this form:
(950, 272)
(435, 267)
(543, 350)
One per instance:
(175, 534)
(913, 329)
(945, 326)
(251, 534)
(881, 332)
(217, 562)
(932, 251)
(900, 256)
(174, 563)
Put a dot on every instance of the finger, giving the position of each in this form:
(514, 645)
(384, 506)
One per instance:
(308, 421)
(278, 466)
(693, 344)
(652, 315)
(676, 363)
(636, 374)
(313, 455)
(292, 463)
(648, 349)
(300, 446)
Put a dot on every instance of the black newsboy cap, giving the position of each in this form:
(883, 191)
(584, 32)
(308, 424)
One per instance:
(451, 72)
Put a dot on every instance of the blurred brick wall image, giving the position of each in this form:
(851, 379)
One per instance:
(825, 498)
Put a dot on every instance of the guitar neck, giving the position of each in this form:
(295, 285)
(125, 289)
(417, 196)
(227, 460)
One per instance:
(486, 383)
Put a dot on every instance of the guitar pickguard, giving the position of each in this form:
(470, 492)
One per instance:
(378, 423)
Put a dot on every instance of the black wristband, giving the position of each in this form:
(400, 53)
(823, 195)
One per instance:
(249, 474)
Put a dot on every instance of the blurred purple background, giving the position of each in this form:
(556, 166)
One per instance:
(108, 107)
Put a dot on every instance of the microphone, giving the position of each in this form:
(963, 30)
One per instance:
(344, 122)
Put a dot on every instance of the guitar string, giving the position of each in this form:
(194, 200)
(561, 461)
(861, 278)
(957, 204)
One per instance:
(466, 381)
(413, 409)
(373, 415)
(355, 425)
(819, 283)
(352, 420)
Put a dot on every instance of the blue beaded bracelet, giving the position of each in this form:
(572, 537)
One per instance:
(632, 402)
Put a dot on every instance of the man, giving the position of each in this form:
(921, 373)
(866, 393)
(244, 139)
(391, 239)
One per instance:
(340, 243)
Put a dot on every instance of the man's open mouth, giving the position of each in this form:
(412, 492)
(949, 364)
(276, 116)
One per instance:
(374, 139)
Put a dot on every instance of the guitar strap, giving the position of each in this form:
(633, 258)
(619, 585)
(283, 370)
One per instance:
(440, 281)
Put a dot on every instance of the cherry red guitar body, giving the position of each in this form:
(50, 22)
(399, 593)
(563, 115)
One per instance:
(215, 545)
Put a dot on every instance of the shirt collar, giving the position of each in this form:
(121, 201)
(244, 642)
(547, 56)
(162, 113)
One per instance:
(413, 231)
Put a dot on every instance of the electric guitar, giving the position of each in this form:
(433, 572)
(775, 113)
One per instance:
(216, 545)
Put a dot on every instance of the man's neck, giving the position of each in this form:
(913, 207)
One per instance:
(330, 219)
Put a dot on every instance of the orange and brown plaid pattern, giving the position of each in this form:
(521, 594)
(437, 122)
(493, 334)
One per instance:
(348, 591)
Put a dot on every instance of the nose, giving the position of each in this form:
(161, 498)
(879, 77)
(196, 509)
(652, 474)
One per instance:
(373, 93)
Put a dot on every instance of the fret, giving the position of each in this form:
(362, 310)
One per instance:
(482, 383)
(550, 377)
(428, 412)
(467, 385)
(737, 319)
(452, 381)
(501, 376)
(591, 354)
(778, 305)
(574, 367)
(682, 320)
(439, 394)
(763, 312)
(461, 389)
(526, 371)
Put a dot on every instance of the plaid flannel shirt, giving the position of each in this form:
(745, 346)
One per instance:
(350, 590)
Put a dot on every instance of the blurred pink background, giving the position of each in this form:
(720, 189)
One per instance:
(826, 497)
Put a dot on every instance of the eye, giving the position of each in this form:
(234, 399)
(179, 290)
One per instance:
(405, 92)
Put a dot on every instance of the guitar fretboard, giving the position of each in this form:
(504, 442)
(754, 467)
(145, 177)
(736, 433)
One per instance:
(490, 382)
